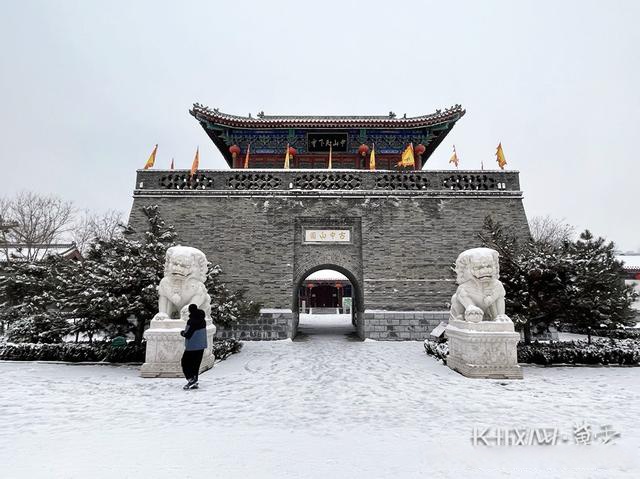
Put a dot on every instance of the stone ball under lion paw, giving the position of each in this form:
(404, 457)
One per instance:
(473, 314)
(503, 318)
(160, 317)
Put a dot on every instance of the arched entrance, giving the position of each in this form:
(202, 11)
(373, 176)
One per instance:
(327, 299)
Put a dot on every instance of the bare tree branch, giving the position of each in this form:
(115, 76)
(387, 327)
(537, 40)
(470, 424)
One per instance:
(93, 226)
(40, 220)
(545, 229)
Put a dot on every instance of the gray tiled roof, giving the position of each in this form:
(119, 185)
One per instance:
(201, 112)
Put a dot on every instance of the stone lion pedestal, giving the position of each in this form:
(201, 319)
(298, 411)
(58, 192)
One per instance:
(487, 349)
(165, 347)
(482, 339)
(185, 272)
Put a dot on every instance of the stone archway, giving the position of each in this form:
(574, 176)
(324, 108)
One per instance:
(342, 256)
(356, 286)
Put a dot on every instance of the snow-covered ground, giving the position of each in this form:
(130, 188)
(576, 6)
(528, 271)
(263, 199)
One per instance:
(323, 406)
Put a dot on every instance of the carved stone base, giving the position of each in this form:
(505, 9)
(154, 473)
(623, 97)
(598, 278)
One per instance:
(165, 347)
(483, 350)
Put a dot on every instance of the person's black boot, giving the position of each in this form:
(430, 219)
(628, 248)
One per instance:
(190, 383)
(194, 384)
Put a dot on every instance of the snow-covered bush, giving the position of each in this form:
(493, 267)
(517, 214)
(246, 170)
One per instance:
(437, 349)
(73, 352)
(223, 348)
(98, 351)
(624, 352)
(629, 333)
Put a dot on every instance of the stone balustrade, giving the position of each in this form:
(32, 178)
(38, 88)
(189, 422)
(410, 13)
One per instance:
(271, 180)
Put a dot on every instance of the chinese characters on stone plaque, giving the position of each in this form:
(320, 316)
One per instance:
(327, 236)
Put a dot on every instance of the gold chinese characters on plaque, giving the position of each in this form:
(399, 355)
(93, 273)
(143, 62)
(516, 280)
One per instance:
(327, 236)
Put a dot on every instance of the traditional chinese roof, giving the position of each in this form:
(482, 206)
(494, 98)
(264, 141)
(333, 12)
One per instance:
(203, 113)
(269, 135)
(17, 252)
(630, 262)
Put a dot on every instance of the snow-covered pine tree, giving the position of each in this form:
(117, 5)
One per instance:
(546, 283)
(119, 276)
(595, 293)
(227, 307)
(29, 304)
(529, 274)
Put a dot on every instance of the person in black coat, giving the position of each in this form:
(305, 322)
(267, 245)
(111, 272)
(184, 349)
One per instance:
(195, 342)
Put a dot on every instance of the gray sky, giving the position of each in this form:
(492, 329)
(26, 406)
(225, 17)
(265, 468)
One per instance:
(89, 87)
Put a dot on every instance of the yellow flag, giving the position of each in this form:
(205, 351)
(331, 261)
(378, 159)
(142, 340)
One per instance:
(152, 158)
(329, 156)
(372, 158)
(196, 162)
(286, 158)
(500, 157)
(408, 158)
(454, 158)
(246, 157)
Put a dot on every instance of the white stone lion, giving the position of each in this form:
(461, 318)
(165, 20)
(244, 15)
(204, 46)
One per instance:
(185, 271)
(480, 294)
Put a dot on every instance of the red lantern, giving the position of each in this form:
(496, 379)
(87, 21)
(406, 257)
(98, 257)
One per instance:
(310, 285)
(363, 150)
(338, 285)
(420, 149)
(234, 150)
(292, 151)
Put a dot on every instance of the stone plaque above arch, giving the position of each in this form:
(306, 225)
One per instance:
(342, 256)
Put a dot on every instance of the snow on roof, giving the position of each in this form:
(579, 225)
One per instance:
(19, 253)
(326, 275)
(630, 261)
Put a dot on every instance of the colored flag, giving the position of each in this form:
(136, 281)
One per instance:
(171, 167)
(329, 156)
(500, 157)
(152, 158)
(246, 157)
(372, 158)
(196, 162)
(408, 158)
(454, 158)
(286, 158)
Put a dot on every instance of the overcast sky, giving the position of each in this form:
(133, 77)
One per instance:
(89, 87)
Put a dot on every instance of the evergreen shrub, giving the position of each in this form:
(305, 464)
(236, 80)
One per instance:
(623, 352)
(97, 351)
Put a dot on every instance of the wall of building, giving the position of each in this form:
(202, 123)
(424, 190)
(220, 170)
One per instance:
(404, 242)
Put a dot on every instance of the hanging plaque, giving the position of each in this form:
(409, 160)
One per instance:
(320, 142)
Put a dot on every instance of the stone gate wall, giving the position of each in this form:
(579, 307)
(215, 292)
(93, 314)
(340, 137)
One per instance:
(407, 230)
